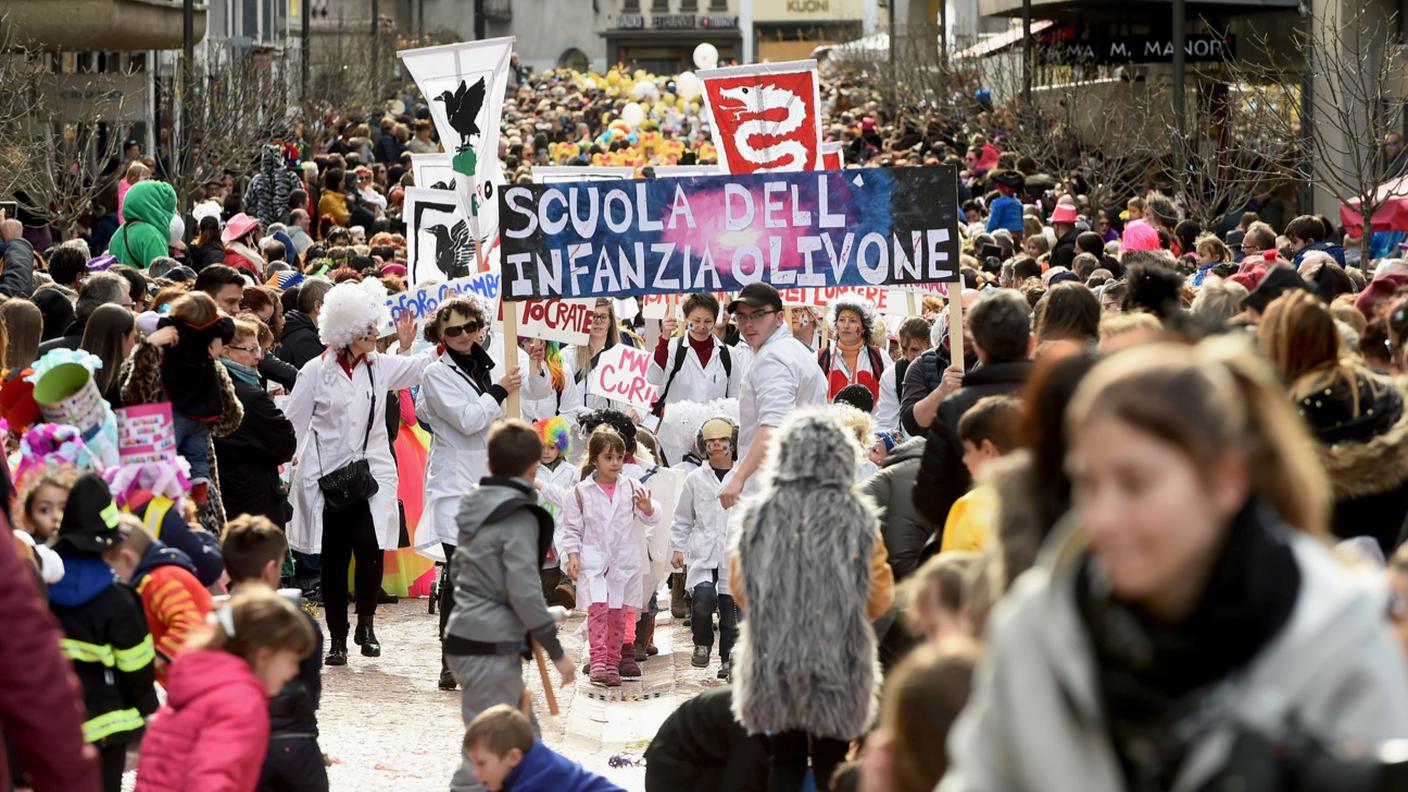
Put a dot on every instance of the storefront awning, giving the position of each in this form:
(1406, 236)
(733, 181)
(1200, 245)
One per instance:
(1013, 8)
(1001, 41)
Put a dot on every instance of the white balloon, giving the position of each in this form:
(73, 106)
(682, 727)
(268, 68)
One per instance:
(706, 56)
(633, 114)
(641, 90)
(688, 86)
(589, 84)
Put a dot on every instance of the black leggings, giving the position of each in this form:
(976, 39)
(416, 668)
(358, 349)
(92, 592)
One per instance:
(346, 533)
(447, 589)
(787, 753)
(114, 761)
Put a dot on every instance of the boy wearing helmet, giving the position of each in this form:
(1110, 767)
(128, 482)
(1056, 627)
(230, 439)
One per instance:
(699, 541)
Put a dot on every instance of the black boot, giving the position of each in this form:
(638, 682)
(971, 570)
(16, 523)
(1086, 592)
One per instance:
(337, 655)
(447, 680)
(365, 637)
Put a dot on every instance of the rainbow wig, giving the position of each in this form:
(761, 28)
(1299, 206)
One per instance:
(555, 433)
(552, 356)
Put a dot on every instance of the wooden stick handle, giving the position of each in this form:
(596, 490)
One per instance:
(955, 325)
(547, 682)
(510, 311)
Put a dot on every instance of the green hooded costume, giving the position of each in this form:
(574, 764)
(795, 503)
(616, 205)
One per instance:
(148, 208)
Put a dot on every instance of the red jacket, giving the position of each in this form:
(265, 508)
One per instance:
(41, 706)
(213, 732)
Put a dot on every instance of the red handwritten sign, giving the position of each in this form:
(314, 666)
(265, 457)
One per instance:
(564, 321)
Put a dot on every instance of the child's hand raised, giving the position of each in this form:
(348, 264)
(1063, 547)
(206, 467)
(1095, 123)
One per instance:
(642, 499)
(164, 337)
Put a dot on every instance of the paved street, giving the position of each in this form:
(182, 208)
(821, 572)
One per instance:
(385, 725)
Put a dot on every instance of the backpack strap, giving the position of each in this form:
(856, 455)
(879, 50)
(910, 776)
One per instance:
(658, 408)
(727, 360)
(877, 363)
(901, 367)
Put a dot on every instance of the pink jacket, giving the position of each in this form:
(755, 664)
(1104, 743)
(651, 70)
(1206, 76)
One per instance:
(213, 732)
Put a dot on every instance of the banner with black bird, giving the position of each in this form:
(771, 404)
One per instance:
(464, 86)
(438, 242)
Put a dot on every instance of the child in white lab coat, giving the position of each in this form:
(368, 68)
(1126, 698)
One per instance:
(603, 555)
(699, 539)
(555, 480)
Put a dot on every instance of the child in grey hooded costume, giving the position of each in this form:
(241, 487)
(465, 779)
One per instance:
(810, 572)
(504, 535)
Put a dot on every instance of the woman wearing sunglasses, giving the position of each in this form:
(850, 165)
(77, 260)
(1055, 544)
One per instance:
(458, 400)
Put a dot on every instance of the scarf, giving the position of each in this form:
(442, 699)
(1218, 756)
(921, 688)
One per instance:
(256, 263)
(851, 355)
(1156, 678)
(241, 372)
(476, 365)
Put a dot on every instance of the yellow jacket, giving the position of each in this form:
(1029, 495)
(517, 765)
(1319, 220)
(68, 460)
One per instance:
(969, 520)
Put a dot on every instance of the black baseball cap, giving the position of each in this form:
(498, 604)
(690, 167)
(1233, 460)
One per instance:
(757, 295)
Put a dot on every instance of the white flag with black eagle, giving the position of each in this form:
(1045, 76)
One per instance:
(464, 85)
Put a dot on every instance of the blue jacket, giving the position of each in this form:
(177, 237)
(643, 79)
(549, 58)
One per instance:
(1005, 212)
(544, 771)
(1322, 245)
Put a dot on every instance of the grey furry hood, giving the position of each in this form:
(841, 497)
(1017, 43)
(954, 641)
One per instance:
(811, 447)
(803, 546)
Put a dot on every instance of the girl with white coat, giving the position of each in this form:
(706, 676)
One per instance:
(699, 540)
(697, 366)
(603, 553)
(459, 402)
(338, 408)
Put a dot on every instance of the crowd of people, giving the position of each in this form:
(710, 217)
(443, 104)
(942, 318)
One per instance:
(1120, 543)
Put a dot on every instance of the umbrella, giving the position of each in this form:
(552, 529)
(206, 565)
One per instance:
(1392, 214)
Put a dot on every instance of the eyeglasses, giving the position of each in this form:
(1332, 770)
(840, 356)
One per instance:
(743, 318)
(453, 331)
(601, 318)
(251, 350)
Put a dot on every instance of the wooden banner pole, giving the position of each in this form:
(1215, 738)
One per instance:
(955, 327)
(510, 311)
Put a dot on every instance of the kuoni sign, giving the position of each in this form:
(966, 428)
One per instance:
(620, 375)
(860, 227)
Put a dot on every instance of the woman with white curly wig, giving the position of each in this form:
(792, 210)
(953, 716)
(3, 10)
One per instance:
(344, 479)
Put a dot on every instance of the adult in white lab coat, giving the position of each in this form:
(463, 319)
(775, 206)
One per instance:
(783, 376)
(695, 366)
(604, 335)
(338, 408)
(459, 401)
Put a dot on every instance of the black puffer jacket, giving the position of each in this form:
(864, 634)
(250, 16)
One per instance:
(702, 748)
(300, 343)
(904, 529)
(942, 477)
(249, 458)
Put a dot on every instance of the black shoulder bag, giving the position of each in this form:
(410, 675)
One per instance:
(353, 482)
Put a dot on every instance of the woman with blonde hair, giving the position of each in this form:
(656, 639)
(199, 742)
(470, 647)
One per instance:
(1188, 599)
(1357, 415)
(136, 172)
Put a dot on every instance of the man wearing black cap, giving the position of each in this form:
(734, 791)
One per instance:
(105, 629)
(783, 375)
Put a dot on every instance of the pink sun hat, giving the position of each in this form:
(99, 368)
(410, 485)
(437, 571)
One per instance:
(1139, 235)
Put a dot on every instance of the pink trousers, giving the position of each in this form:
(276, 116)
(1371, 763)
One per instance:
(606, 630)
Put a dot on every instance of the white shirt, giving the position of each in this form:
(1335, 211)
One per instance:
(784, 374)
(887, 409)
